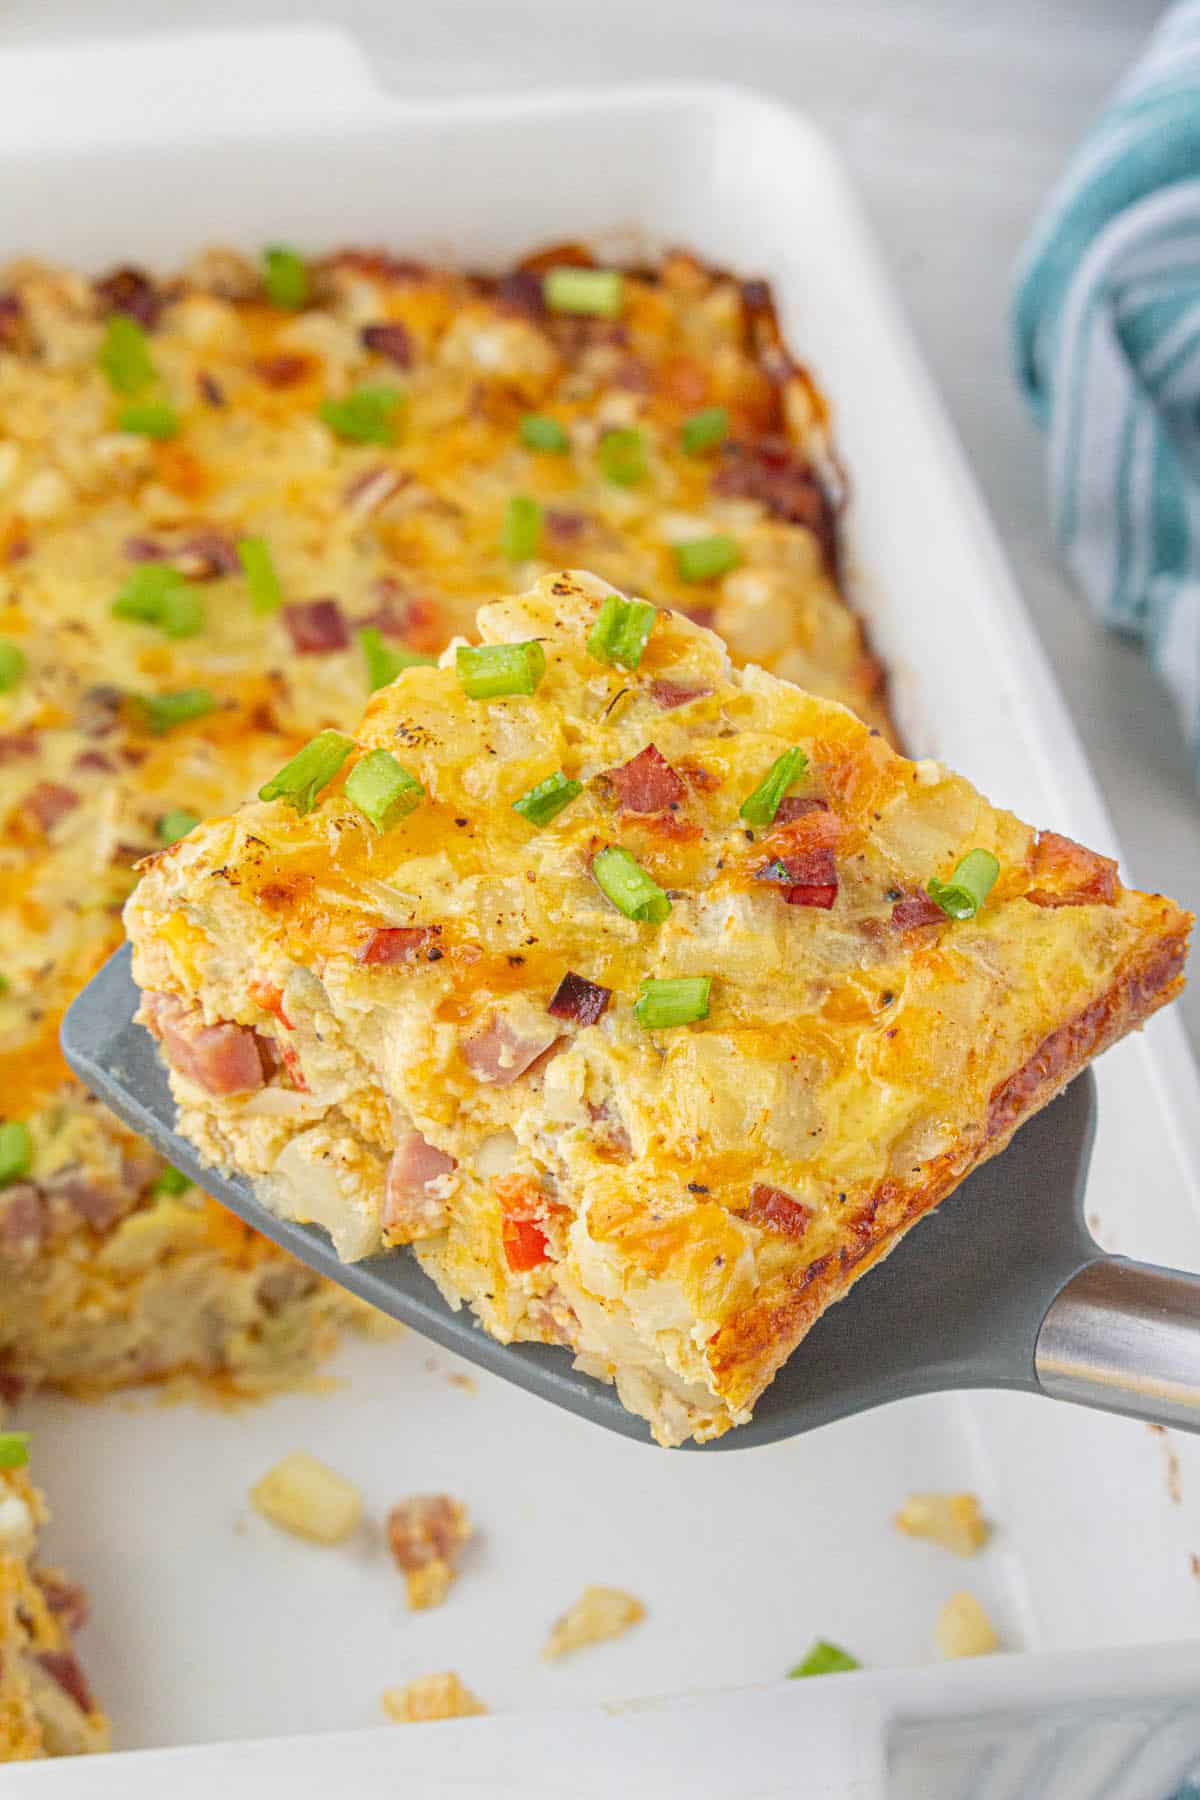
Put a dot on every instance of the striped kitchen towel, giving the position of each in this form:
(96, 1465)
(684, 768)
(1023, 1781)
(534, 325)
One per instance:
(1107, 325)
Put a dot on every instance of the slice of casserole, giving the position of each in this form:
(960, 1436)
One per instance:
(46, 1705)
(650, 1031)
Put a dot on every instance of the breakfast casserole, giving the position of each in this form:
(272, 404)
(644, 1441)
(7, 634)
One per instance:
(649, 1027)
(233, 501)
(46, 1705)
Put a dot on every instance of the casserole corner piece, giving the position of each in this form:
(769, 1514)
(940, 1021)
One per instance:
(648, 999)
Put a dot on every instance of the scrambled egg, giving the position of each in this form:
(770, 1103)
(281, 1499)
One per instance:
(447, 1029)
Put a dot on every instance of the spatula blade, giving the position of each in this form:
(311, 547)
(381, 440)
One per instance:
(957, 1304)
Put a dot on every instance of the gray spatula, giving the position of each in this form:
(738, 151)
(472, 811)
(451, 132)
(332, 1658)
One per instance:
(1002, 1286)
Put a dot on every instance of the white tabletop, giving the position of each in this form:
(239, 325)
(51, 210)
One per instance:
(955, 118)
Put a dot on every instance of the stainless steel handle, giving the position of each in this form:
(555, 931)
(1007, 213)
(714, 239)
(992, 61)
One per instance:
(1125, 1337)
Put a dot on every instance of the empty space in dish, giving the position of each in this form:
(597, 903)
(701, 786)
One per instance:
(207, 1622)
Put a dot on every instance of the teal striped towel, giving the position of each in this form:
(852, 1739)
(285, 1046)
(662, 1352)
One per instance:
(1107, 326)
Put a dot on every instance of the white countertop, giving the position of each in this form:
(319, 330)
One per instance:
(955, 118)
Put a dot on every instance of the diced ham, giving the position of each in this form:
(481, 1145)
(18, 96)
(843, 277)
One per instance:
(610, 1129)
(206, 554)
(63, 1667)
(773, 1210)
(392, 340)
(144, 549)
(520, 291)
(426, 1528)
(66, 1599)
(99, 709)
(809, 879)
(97, 1203)
(281, 371)
(647, 783)
(12, 320)
(798, 806)
(130, 291)
(1070, 875)
(409, 1209)
(670, 694)
(632, 374)
(581, 1001)
(392, 944)
(563, 525)
(22, 1222)
(916, 909)
(803, 825)
(222, 1059)
(371, 488)
(94, 762)
(499, 1055)
(316, 626)
(14, 745)
(49, 803)
(13, 1389)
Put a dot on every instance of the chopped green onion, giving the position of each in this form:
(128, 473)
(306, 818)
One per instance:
(365, 416)
(16, 1151)
(825, 1659)
(545, 801)
(680, 1000)
(284, 277)
(144, 593)
(539, 432)
(962, 896)
(157, 594)
(760, 807)
(5, 985)
(382, 789)
(14, 1449)
(163, 711)
(704, 430)
(182, 613)
(12, 665)
(621, 630)
(300, 781)
(624, 882)
(622, 456)
(149, 418)
(125, 355)
(597, 292)
(703, 559)
(490, 670)
(175, 825)
(254, 554)
(521, 531)
(171, 1182)
(385, 661)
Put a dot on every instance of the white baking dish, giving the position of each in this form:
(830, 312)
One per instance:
(208, 1624)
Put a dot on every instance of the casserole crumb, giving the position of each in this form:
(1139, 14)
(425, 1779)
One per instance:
(425, 1533)
(952, 1520)
(598, 1614)
(431, 1697)
(964, 1629)
(305, 1497)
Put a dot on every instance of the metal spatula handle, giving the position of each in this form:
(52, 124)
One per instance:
(1125, 1337)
